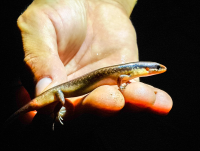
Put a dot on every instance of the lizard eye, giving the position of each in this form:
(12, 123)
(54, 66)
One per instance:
(158, 67)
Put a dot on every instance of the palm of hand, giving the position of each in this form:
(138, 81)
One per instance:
(78, 37)
(98, 38)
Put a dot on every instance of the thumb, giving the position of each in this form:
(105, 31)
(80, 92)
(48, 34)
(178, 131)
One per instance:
(40, 50)
(48, 72)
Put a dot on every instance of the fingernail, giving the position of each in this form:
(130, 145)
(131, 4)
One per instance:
(42, 84)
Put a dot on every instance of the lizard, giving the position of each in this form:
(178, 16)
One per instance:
(119, 75)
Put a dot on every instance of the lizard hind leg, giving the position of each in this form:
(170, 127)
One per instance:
(61, 113)
(58, 107)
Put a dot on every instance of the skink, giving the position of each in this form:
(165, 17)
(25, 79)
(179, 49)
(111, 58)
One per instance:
(112, 75)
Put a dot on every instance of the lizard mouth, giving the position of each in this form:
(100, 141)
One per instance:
(159, 69)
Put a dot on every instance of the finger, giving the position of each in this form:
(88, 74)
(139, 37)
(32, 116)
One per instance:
(163, 103)
(105, 100)
(40, 48)
(140, 96)
(21, 98)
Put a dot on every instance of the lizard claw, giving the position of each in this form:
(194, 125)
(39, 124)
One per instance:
(61, 113)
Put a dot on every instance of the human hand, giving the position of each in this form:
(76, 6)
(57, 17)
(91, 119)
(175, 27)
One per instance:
(65, 39)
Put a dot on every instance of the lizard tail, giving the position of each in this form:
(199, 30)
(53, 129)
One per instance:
(26, 108)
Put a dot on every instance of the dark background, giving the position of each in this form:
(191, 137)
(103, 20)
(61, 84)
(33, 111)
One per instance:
(167, 32)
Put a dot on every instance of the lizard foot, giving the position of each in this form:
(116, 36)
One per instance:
(61, 113)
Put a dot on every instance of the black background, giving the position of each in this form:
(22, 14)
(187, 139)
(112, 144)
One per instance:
(167, 32)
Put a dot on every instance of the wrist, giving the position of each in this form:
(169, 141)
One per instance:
(127, 5)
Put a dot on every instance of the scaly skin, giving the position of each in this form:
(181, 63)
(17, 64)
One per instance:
(112, 75)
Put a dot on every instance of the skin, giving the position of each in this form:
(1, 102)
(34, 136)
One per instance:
(93, 34)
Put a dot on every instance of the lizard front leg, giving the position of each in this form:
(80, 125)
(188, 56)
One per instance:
(123, 81)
